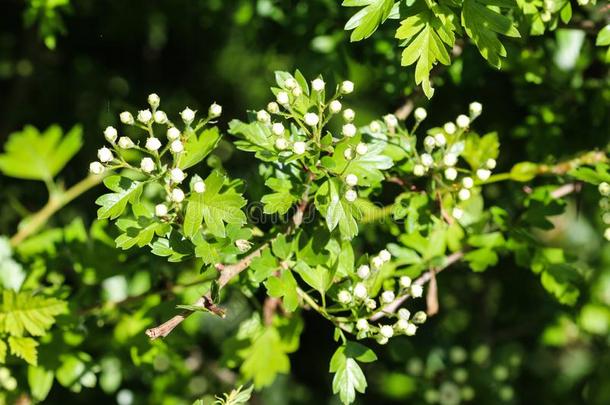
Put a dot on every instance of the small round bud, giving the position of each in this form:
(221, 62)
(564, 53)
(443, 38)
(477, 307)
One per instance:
(475, 109)
(277, 128)
(311, 119)
(335, 106)
(463, 121)
(160, 117)
(386, 331)
(491, 164)
(604, 188)
(347, 87)
(290, 83)
(177, 195)
(263, 116)
(404, 313)
(467, 182)
(457, 213)
(419, 170)
(187, 116)
(360, 291)
(160, 210)
(426, 159)
(464, 194)
(420, 114)
(440, 139)
(173, 133)
(419, 317)
(199, 187)
(104, 155)
(299, 147)
(483, 174)
(390, 120)
(281, 143)
(361, 148)
(450, 128)
(349, 130)
(416, 291)
(364, 271)
(429, 142)
(96, 168)
(282, 98)
(375, 127)
(147, 165)
(387, 296)
(351, 180)
(177, 175)
(385, 255)
(153, 144)
(154, 100)
(215, 110)
(411, 329)
(451, 173)
(144, 116)
(176, 146)
(607, 234)
(351, 195)
(344, 297)
(362, 325)
(450, 159)
(348, 153)
(297, 91)
(370, 304)
(606, 218)
(382, 340)
(273, 107)
(377, 262)
(349, 115)
(317, 84)
(405, 281)
(110, 133)
(126, 118)
(402, 325)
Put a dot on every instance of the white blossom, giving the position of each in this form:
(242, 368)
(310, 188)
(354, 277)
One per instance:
(360, 291)
(603, 188)
(419, 317)
(277, 128)
(364, 271)
(457, 213)
(348, 153)
(282, 98)
(199, 186)
(361, 148)
(176, 146)
(404, 313)
(144, 116)
(154, 100)
(187, 115)
(416, 290)
(386, 331)
(126, 118)
(335, 106)
(450, 128)
(351, 180)
(382, 340)
(177, 175)
(349, 115)
(311, 119)
(177, 195)
(160, 210)
(153, 144)
(351, 195)
(451, 173)
(475, 109)
(429, 142)
(317, 84)
(173, 133)
(467, 182)
(160, 117)
(607, 234)
(427, 159)
(263, 116)
(491, 163)
(450, 159)
(349, 130)
(104, 155)
(464, 194)
(387, 296)
(299, 147)
(402, 325)
(371, 304)
(420, 114)
(405, 281)
(385, 255)
(215, 110)
(419, 170)
(362, 325)
(374, 126)
(483, 174)
(281, 143)
(243, 245)
(440, 139)
(390, 120)
(110, 133)
(347, 87)
(377, 262)
(411, 329)
(344, 297)
(147, 165)
(463, 121)
(96, 168)
(297, 91)
(290, 83)
(273, 107)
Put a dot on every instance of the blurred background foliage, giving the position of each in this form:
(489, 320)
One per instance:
(499, 338)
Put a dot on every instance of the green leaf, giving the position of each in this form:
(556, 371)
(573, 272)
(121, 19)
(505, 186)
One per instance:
(3, 349)
(596, 175)
(216, 206)
(176, 249)
(25, 348)
(365, 22)
(367, 167)
(112, 205)
(524, 171)
(197, 147)
(40, 381)
(23, 312)
(337, 210)
(318, 277)
(282, 199)
(479, 149)
(139, 232)
(265, 358)
(483, 24)
(284, 286)
(35, 156)
(603, 36)
(348, 375)
(561, 280)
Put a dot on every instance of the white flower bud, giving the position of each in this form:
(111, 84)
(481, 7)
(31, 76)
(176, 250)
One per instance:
(299, 147)
(390, 120)
(351, 195)
(335, 106)
(457, 213)
(451, 173)
(362, 325)
(160, 117)
(419, 170)
(420, 114)
(160, 210)
(440, 139)
(147, 165)
(467, 182)
(176, 146)
(606, 218)
(371, 304)
(263, 116)
(361, 148)
(404, 313)
(374, 126)
(386, 331)
(491, 163)
(311, 119)
(348, 154)
(290, 83)
(464, 194)
(277, 128)
(364, 271)
(110, 133)
(419, 317)
(463, 121)
(427, 159)
(405, 281)
(126, 118)
(351, 180)
(344, 297)
(483, 174)
(450, 159)
(607, 234)
(416, 291)
(411, 329)
(450, 128)
(387, 296)
(282, 98)
(173, 133)
(281, 143)
(317, 84)
(96, 168)
(273, 107)
(297, 91)
(177, 195)
(154, 100)
(187, 115)
(104, 155)
(360, 291)
(402, 325)
(177, 175)
(429, 142)
(475, 109)
(377, 262)
(349, 115)
(215, 110)
(153, 144)
(382, 340)
(347, 87)
(144, 116)
(199, 187)
(385, 255)
(604, 188)
(349, 130)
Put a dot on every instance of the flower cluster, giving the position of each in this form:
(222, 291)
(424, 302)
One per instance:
(604, 204)
(159, 158)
